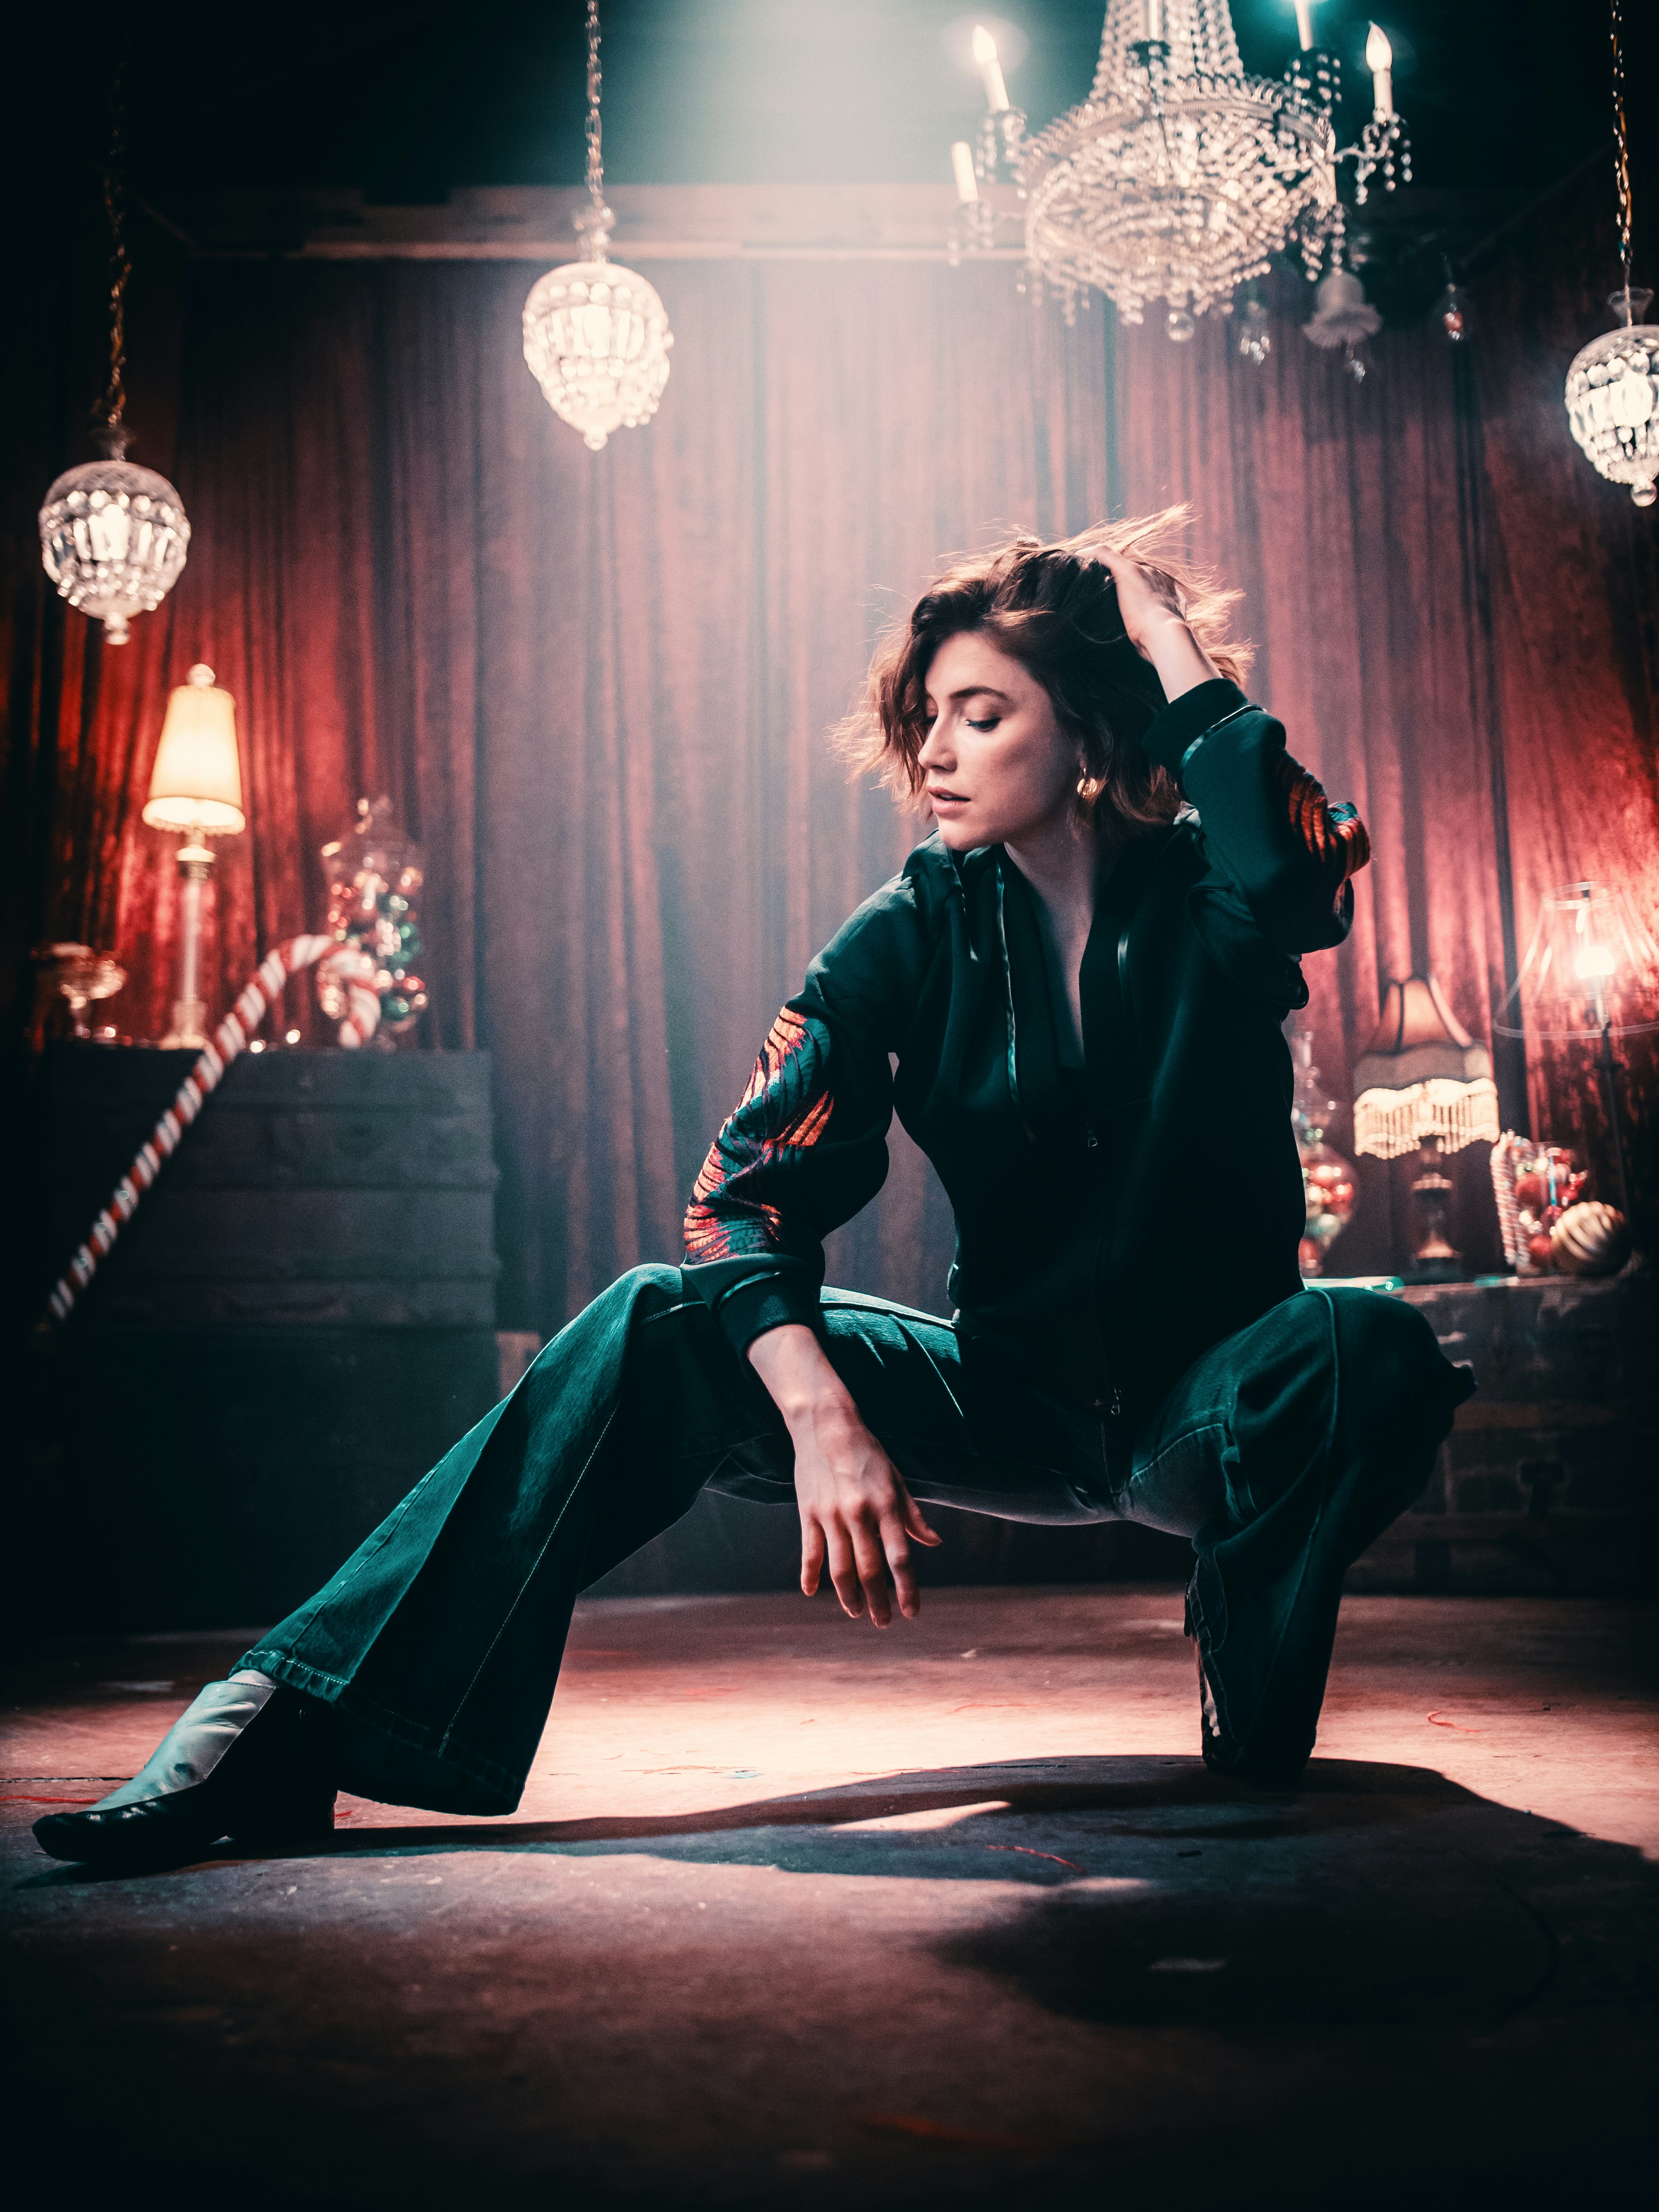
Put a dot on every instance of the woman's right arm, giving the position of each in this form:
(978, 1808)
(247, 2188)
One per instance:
(805, 1148)
(856, 1515)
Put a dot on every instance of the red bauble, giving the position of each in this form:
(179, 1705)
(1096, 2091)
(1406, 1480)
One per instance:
(1538, 1248)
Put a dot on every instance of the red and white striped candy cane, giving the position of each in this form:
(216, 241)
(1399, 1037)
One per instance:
(1503, 1163)
(355, 969)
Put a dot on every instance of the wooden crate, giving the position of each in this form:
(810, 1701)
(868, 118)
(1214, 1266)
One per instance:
(297, 1324)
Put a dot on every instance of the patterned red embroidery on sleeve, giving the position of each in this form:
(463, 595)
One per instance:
(1335, 836)
(786, 1106)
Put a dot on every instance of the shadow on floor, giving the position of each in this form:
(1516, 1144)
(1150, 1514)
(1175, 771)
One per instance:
(1379, 1974)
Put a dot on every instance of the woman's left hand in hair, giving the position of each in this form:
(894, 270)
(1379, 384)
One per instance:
(1156, 626)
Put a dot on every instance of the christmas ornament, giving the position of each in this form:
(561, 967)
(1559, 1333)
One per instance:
(1590, 1238)
(375, 872)
(1533, 1185)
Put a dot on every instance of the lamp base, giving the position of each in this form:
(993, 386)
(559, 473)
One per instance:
(189, 1031)
(1435, 1258)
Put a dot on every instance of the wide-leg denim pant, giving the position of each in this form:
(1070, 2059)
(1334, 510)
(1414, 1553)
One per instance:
(1282, 1452)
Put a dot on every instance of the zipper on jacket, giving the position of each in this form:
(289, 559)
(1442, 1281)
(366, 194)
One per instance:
(1124, 998)
(1113, 1407)
(1008, 987)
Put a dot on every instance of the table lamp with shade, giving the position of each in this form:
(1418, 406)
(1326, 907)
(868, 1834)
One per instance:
(196, 786)
(1590, 974)
(1423, 1085)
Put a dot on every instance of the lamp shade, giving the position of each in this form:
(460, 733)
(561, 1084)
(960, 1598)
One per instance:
(1590, 966)
(1421, 1077)
(196, 782)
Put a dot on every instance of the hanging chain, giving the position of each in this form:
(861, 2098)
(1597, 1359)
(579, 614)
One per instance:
(1622, 147)
(595, 162)
(112, 406)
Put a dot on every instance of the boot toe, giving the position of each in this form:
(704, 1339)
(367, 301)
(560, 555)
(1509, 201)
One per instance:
(156, 1830)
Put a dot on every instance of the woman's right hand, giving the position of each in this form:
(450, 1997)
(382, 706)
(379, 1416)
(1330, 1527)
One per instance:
(856, 1516)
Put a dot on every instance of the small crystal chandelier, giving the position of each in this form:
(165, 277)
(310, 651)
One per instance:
(1180, 177)
(595, 335)
(113, 537)
(1613, 386)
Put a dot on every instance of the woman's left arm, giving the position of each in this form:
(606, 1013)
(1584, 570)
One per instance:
(1266, 818)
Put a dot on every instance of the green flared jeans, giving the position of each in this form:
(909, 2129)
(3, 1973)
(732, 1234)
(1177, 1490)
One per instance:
(1282, 1453)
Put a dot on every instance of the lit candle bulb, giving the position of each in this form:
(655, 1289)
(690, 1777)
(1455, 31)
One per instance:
(1304, 23)
(1155, 19)
(990, 69)
(1379, 60)
(962, 161)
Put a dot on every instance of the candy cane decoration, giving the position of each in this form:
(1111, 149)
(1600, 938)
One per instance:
(1503, 1191)
(349, 963)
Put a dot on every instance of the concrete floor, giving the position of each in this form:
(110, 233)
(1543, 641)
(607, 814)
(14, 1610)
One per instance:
(796, 1913)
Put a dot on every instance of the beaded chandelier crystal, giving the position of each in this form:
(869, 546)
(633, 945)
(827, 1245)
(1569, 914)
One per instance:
(596, 336)
(113, 537)
(1613, 386)
(1180, 177)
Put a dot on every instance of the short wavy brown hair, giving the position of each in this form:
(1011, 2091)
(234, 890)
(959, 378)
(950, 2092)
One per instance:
(1053, 608)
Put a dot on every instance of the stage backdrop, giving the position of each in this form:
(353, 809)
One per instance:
(597, 687)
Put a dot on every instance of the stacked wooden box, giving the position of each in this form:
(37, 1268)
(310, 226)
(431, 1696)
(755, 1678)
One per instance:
(299, 1321)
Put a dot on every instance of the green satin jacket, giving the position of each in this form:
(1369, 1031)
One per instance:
(1111, 1226)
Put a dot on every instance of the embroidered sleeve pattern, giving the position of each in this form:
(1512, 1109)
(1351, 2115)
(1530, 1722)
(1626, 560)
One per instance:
(784, 1110)
(1335, 836)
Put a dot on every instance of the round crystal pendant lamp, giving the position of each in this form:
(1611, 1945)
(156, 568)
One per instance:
(113, 537)
(1613, 400)
(596, 336)
(1613, 386)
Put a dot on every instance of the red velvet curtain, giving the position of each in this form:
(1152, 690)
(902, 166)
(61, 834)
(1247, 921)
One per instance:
(597, 686)
(1456, 620)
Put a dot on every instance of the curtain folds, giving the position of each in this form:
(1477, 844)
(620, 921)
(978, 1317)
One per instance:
(597, 686)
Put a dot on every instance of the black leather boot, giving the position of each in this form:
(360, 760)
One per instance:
(249, 1759)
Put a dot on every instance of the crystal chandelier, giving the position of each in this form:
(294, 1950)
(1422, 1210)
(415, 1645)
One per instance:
(1613, 386)
(1180, 177)
(113, 536)
(595, 335)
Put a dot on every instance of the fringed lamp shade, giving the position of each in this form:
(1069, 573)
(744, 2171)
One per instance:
(1422, 1077)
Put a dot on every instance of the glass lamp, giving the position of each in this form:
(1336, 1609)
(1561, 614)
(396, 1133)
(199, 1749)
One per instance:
(1591, 973)
(596, 335)
(196, 786)
(113, 538)
(1423, 1085)
(1612, 398)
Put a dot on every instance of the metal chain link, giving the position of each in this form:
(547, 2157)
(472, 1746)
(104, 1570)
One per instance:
(112, 407)
(595, 164)
(1621, 142)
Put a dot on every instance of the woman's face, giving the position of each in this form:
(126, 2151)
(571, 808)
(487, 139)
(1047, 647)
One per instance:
(1000, 767)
